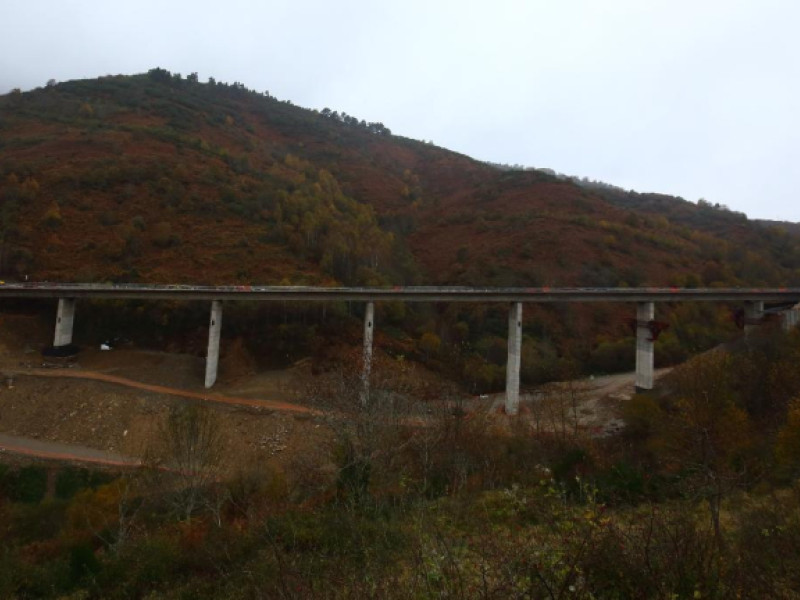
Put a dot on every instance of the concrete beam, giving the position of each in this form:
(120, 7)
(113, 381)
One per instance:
(214, 330)
(65, 318)
(404, 294)
(514, 358)
(645, 312)
(366, 369)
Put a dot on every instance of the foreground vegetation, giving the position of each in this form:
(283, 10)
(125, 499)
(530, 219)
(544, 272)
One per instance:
(697, 498)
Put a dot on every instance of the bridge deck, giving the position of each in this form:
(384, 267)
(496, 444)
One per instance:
(402, 294)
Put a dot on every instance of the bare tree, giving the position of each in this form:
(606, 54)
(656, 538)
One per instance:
(189, 451)
(374, 427)
(557, 408)
(109, 512)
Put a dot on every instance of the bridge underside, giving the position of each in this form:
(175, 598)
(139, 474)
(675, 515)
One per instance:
(647, 328)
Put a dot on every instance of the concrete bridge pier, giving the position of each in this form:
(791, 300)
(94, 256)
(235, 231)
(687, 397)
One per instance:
(65, 317)
(214, 329)
(790, 318)
(514, 358)
(366, 368)
(645, 312)
(753, 315)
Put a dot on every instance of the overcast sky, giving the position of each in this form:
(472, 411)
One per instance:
(688, 97)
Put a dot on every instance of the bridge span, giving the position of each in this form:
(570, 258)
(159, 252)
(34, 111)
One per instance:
(751, 299)
(398, 293)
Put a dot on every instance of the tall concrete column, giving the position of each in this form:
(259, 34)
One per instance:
(789, 318)
(645, 312)
(369, 326)
(514, 358)
(753, 314)
(65, 318)
(786, 320)
(214, 329)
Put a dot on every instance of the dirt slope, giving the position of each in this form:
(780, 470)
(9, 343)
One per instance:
(111, 405)
(115, 417)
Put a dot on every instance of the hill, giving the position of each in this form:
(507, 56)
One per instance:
(161, 178)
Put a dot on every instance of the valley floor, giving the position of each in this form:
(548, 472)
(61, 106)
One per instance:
(113, 403)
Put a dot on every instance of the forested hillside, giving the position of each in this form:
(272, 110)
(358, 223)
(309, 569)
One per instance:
(162, 178)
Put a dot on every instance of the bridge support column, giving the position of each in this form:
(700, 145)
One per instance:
(645, 312)
(790, 318)
(214, 329)
(753, 314)
(514, 358)
(366, 368)
(65, 317)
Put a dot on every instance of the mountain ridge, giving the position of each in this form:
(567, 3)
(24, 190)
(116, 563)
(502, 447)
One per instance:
(215, 148)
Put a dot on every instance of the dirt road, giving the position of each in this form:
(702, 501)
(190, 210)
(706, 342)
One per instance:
(73, 417)
(63, 452)
(207, 396)
(77, 415)
(597, 409)
(620, 385)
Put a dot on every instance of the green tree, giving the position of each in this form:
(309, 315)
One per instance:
(429, 344)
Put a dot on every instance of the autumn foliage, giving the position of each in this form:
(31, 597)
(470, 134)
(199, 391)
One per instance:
(698, 497)
(163, 178)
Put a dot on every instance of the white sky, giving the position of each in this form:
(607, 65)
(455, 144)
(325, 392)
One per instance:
(697, 98)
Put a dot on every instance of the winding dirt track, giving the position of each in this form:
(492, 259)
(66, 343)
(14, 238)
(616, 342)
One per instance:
(73, 453)
(601, 387)
(63, 452)
(209, 397)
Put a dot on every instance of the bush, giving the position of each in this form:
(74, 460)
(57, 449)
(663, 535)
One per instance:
(71, 480)
(613, 356)
(32, 522)
(52, 218)
(768, 535)
(163, 237)
(27, 485)
(139, 223)
(142, 568)
(82, 562)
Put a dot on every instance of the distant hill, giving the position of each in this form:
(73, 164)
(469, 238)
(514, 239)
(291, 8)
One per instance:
(162, 178)
(788, 226)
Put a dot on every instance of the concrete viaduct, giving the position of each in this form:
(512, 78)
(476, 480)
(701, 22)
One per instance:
(752, 300)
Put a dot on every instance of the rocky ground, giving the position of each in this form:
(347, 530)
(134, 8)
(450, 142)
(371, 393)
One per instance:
(36, 403)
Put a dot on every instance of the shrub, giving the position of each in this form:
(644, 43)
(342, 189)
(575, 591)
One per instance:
(82, 562)
(163, 237)
(139, 223)
(52, 217)
(71, 480)
(31, 522)
(27, 485)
